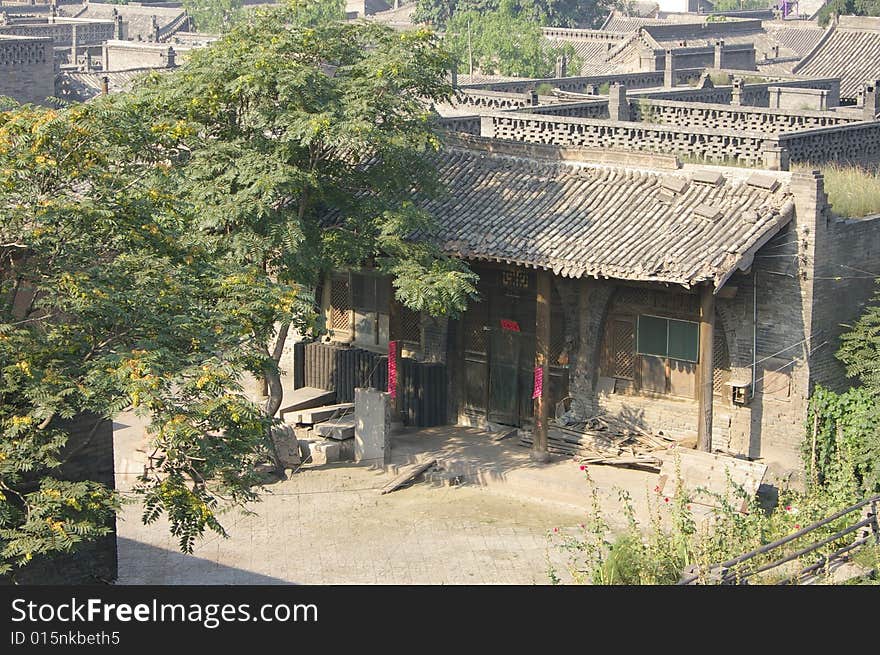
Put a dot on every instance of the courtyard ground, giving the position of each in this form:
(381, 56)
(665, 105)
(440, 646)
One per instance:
(330, 525)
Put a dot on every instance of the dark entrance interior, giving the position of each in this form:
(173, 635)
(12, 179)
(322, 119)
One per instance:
(499, 348)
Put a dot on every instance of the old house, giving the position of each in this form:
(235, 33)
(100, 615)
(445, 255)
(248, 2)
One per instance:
(685, 298)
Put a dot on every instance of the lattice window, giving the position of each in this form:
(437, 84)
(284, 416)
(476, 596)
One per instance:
(517, 279)
(407, 325)
(622, 350)
(340, 303)
(720, 359)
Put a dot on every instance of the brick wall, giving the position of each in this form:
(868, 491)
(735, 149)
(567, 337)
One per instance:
(727, 117)
(27, 69)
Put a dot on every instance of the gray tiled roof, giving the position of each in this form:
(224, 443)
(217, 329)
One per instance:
(851, 55)
(581, 220)
(799, 39)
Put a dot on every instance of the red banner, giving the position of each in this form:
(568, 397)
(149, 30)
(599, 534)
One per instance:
(539, 382)
(511, 326)
(392, 368)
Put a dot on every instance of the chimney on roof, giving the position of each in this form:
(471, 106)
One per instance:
(454, 73)
(170, 57)
(871, 103)
(776, 158)
(561, 66)
(105, 85)
(719, 53)
(669, 70)
(736, 92)
(533, 98)
(618, 105)
(73, 44)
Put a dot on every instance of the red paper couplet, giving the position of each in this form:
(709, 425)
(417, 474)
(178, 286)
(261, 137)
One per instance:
(392, 368)
(512, 326)
(539, 382)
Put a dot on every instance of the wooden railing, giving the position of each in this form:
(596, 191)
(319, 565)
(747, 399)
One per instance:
(731, 571)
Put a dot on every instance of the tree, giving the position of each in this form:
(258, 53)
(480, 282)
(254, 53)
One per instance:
(504, 41)
(555, 13)
(309, 139)
(848, 8)
(109, 299)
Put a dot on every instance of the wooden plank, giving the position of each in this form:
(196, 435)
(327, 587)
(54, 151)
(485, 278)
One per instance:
(709, 471)
(319, 414)
(503, 434)
(307, 398)
(409, 473)
(338, 429)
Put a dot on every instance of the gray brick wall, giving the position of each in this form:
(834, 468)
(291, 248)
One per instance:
(27, 69)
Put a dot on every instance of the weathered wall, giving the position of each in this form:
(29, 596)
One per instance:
(27, 69)
(90, 458)
(125, 55)
(713, 145)
(61, 33)
(848, 260)
(727, 117)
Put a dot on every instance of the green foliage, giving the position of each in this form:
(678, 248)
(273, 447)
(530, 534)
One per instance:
(505, 41)
(848, 8)
(675, 538)
(556, 13)
(843, 427)
(853, 191)
(215, 16)
(740, 5)
(110, 299)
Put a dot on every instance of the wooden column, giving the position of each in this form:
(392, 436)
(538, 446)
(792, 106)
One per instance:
(542, 374)
(705, 371)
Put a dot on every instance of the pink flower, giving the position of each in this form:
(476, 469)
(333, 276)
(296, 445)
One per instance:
(788, 508)
(657, 489)
(797, 526)
(555, 529)
(665, 500)
(583, 468)
(689, 508)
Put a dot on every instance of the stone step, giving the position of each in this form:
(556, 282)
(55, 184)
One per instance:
(305, 398)
(319, 414)
(337, 428)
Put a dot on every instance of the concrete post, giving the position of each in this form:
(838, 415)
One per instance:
(171, 58)
(705, 375)
(88, 61)
(618, 105)
(73, 44)
(871, 106)
(118, 33)
(533, 98)
(719, 53)
(776, 158)
(561, 66)
(736, 93)
(669, 71)
(105, 56)
(487, 126)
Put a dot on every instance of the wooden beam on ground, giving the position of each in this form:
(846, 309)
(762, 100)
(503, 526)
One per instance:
(409, 473)
(705, 368)
(540, 453)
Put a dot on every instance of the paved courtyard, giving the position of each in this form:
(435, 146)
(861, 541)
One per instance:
(330, 525)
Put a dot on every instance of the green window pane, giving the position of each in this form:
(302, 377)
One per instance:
(652, 336)
(684, 340)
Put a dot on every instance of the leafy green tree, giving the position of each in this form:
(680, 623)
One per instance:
(846, 426)
(108, 300)
(555, 13)
(309, 140)
(848, 8)
(215, 16)
(504, 41)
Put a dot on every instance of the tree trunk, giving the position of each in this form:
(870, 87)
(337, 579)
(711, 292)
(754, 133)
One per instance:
(272, 379)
